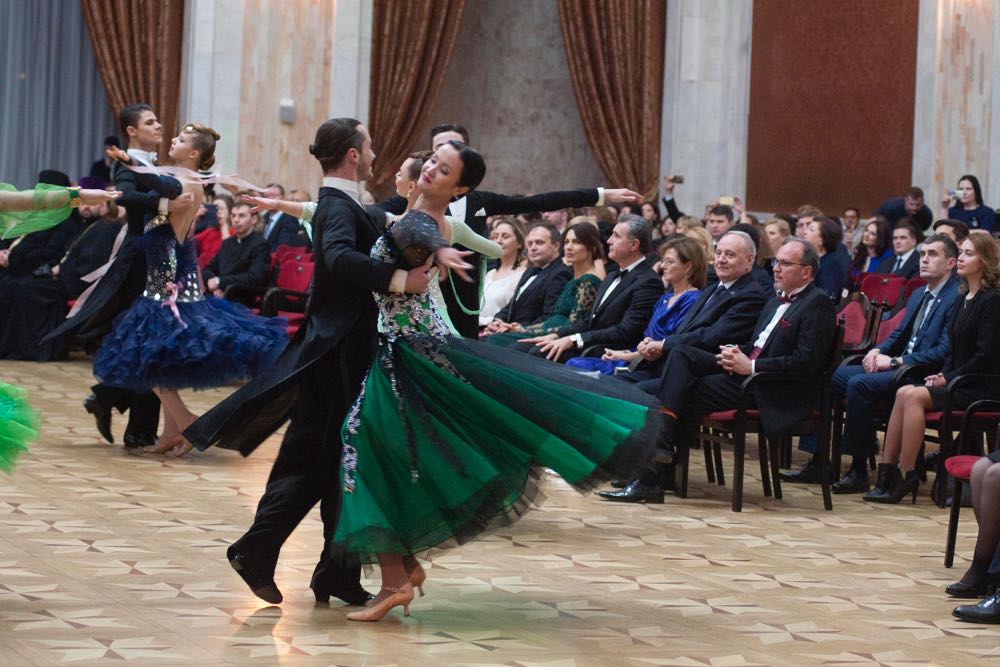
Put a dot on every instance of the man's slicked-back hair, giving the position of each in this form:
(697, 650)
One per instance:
(638, 230)
(333, 139)
(451, 127)
(129, 116)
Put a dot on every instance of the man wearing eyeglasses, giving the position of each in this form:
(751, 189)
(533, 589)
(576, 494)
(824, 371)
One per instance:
(792, 334)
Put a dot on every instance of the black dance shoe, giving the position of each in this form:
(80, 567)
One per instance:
(635, 492)
(987, 611)
(352, 594)
(853, 481)
(102, 416)
(618, 483)
(256, 579)
(138, 441)
(807, 474)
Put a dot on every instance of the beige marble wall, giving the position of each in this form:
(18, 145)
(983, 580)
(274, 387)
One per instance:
(508, 82)
(958, 81)
(286, 55)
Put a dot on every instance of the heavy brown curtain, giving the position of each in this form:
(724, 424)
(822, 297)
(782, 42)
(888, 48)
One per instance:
(412, 43)
(615, 54)
(137, 44)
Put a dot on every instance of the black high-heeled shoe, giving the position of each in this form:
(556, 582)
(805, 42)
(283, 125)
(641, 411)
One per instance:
(909, 485)
(888, 477)
(973, 589)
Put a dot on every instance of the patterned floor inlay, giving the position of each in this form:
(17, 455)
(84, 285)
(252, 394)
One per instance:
(108, 557)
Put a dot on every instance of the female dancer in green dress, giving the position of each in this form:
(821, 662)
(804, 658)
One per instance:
(447, 435)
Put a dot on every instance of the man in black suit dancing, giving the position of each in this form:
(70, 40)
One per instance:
(793, 334)
(318, 376)
(477, 205)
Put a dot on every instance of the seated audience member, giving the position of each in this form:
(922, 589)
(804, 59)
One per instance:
(967, 205)
(983, 575)
(905, 261)
(761, 274)
(850, 221)
(921, 338)
(301, 197)
(623, 304)
(704, 239)
(90, 250)
(875, 247)
(974, 338)
(826, 236)
(804, 217)
(102, 168)
(720, 219)
(776, 230)
(956, 230)
(581, 247)
(214, 232)
(651, 215)
(793, 334)
(559, 219)
(26, 314)
(281, 228)
(725, 311)
(242, 262)
(910, 205)
(539, 288)
(499, 283)
(683, 267)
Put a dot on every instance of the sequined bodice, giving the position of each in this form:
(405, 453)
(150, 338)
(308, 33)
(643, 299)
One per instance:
(405, 314)
(170, 266)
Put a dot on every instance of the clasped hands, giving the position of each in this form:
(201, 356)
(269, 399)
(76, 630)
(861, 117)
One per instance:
(733, 361)
(553, 345)
(875, 361)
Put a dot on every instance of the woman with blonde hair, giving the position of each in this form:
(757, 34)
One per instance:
(499, 283)
(975, 339)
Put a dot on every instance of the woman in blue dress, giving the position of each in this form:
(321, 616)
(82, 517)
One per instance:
(172, 337)
(683, 267)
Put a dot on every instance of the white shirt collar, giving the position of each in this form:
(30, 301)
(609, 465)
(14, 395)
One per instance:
(146, 158)
(351, 188)
(634, 264)
(729, 284)
(906, 257)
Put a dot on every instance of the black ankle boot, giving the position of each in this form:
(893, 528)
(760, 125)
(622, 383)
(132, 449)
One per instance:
(888, 478)
(909, 485)
(975, 583)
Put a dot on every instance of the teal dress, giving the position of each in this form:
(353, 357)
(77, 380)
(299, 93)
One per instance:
(574, 303)
(448, 434)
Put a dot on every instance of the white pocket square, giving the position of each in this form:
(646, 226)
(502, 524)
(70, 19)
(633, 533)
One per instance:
(481, 212)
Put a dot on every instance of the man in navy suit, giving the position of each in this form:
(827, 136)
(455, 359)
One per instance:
(905, 260)
(921, 338)
(280, 228)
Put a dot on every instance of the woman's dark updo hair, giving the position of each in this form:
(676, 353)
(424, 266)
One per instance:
(587, 235)
(333, 139)
(203, 140)
(473, 165)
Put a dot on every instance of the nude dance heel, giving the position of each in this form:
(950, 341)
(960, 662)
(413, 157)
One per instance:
(416, 573)
(399, 596)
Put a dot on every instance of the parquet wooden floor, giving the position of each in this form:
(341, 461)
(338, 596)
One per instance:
(111, 558)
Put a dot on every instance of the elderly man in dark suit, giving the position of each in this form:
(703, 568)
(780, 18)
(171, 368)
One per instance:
(540, 286)
(623, 304)
(793, 334)
(921, 338)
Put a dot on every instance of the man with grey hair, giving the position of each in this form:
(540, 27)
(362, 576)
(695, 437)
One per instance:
(623, 304)
(793, 334)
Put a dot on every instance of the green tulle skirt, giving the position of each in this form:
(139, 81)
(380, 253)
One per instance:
(18, 425)
(448, 436)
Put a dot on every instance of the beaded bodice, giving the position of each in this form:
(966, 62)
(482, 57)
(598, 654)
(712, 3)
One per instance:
(405, 314)
(171, 267)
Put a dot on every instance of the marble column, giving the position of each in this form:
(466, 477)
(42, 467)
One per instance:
(957, 116)
(706, 93)
(211, 63)
(350, 66)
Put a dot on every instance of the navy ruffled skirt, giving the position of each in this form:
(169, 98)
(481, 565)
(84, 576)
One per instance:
(214, 342)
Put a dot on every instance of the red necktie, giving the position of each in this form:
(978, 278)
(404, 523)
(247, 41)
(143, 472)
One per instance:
(755, 353)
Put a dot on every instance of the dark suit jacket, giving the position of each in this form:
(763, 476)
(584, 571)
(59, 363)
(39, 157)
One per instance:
(933, 340)
(241, 263)
(41, 249)
(729, 318)
(975, 337)
(538, 301)
(620, 321)
(801, 342)
(340, 303)
(910, 268)
(287, 230)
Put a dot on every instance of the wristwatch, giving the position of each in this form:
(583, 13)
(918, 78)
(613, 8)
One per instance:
(894, 362)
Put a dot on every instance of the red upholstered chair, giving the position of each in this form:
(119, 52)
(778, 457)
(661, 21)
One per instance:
(731, 426)
(884, 287)
(861, 320)
(886, 327)
(982, 417)
(912, 285)
(288, 298)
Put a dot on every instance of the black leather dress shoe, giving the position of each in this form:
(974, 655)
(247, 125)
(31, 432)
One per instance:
(853, 481)
(256, 579)
(353, 594)
(987, 611)
(807, 474)
(635, 492)
(102, 416)
(961, 589)
(618, 483)
(137, 441)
